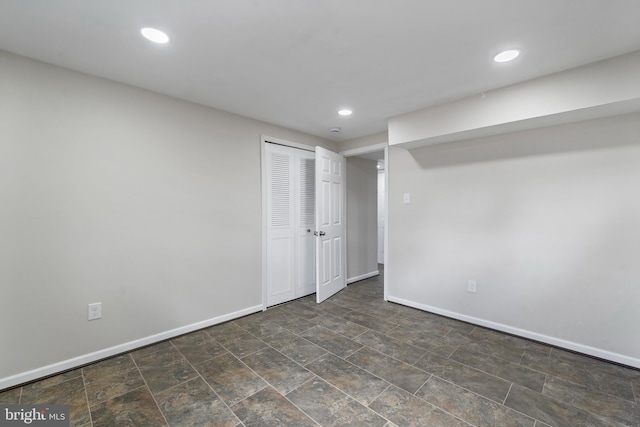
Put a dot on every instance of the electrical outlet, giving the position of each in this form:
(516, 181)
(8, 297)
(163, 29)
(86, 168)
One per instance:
(95, 311)
(406, 198)
(471, 286)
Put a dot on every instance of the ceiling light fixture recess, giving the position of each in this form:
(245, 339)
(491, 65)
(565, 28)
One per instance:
(507, 55)
(155, 35)
(345, 112)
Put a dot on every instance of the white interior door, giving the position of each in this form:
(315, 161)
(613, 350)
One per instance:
(330, 224)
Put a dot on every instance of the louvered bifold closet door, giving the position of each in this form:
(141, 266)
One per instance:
(306, 218)
(281, 226)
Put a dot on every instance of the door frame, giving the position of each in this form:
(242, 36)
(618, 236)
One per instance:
(370, 149)
(263, 184)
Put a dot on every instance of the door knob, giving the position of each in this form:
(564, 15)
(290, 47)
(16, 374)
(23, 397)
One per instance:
(322, 233)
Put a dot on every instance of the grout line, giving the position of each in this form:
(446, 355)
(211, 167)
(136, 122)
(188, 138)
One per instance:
(507, 395)
(86, 396)
(148, 388)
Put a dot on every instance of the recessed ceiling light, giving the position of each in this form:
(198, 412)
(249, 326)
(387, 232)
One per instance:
(345, 112)
(507, 55)
(155, 35)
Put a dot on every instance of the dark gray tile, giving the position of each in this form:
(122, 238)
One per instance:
(330, 341)
(191, 339)
(406, 410)
(418, 323)
(60, 391)
(330, 407)
(550, 411)
(230, 378)
(604, 405)
(289, 321)
(305, 311)
(244, 344)
(198, 348)
(259, 325)
(507, 370)
(357, 383)
(496, 350)
(636, 389)
(333, 309)
(194, 403)
(339, 325)
(580, 374)
(394, 371)
(591, 363)
(296, 348)
(470, 407)
(225, 332)
(510, 341)
(108, 367)
(11, 396)
(134, 409)
(150, 349)
(391, 346)
(269, 408)
(479, 382)
(457, 326)
(105, 388)
(52, 381)
(278, 370)
(164, 357)
(370, 322)
(433, 343)
(162, 377)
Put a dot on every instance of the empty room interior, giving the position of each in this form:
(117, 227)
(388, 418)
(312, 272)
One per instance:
(331, 213)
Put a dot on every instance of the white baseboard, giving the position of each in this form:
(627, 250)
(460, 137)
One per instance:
(362, 277)
(76, 362)
(569, 345)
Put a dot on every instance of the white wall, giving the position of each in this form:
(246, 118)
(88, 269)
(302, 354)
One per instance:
(381, 214)
(546, 221)
(362, 218)
(113, 194)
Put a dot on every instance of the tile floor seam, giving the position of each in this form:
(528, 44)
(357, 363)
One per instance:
(86, 396)
(596, 390)
(506, 408)
(153, 396)
(299, 408)
(505, 398)
(423, 384)
(218, 395)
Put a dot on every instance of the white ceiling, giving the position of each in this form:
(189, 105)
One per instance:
(296, 62)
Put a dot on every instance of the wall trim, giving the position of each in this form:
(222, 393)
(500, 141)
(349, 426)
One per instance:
(362, 277)
(85, 359)
(557, 342)
(364, 150)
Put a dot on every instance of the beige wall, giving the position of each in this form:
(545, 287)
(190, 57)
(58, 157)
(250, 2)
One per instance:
(362, 217)
(113, 194)
(546, 222)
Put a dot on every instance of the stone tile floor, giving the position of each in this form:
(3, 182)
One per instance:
(353, 360)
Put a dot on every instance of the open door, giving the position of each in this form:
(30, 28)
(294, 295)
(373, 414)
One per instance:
(330, 224)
